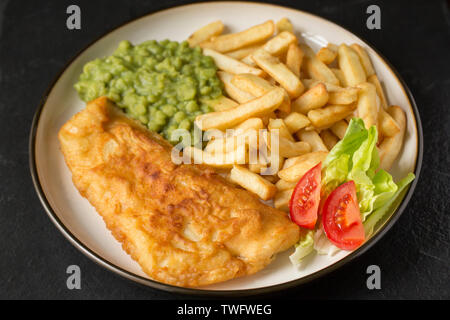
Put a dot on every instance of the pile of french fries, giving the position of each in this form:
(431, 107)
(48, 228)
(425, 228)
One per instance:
(300, 99)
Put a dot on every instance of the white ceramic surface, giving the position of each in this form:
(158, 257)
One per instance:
(81, 219)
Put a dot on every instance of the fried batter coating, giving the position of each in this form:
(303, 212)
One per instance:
(184, 224)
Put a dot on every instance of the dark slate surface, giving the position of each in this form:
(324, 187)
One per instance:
(35, 45)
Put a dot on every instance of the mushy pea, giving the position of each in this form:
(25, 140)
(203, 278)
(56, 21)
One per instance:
(162, 84)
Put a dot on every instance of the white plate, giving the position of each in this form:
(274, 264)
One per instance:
(78, 220)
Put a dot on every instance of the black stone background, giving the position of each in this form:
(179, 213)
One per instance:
(35, 45)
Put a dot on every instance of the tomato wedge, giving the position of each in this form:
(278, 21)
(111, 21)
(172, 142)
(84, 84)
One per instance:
(305, 199)
(341, 218)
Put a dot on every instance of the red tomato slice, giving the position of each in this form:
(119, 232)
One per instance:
(305, 199)
(341, 218)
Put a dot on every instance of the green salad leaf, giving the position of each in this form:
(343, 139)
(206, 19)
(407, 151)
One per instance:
(335, 173)
(355, 135)
(303, 247)
(356, 158)
(389, 205)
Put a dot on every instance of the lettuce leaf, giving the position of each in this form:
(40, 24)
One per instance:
(385, 188)
(364, 191)
(303, 247)
(355, 135)
(335, 173)
(356, 158)
(362, 162)
(322, 245)
(389, 205)
(362, 157)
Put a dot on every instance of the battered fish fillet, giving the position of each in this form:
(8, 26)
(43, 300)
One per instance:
(184, 224)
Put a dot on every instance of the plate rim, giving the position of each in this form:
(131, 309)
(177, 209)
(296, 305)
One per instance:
(207, 292)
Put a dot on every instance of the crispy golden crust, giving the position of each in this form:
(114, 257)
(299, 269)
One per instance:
(184, 224)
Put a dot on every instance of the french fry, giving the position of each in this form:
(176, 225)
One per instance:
(280, 43)
(272, 178)
(315, 68)
(289, 162)
(281, 200)
(280, 114)
(387, 124)
(310, 83)
(257, 86)
(314, 98)
(249, 61)
(312, 155)
(294, 58)
(391, 146)
(282, 128)
(222, 103)
(289, 149)
(302, 165)
(285, 185)
(364, 59)
(272, 81)
(339, 94)
(284, 25)
(266, 118)
(312, 128)
(276, 163)
(228, 64)
(234, 41)
(253, 145)
(367, 104)
(350, 117)
(329, 139)
(285, 106)
(373, 79)
(254, 85)
(243, 52)
(232, 91)
(279, 72)
(253, 182)
(340, 75)
(249, 124)
(296, 121)
(258, 156)
(213, 134)
(304, 117)
(325, 117)
(313, 138)
(379, 120)
(344, 96)
(350, 65)
(217, 160)
(254, 108)
(333, 47)
(205, 33)
(232, 142)
(222, 146)
(257, 167)
(326, 55)
(339, 129)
